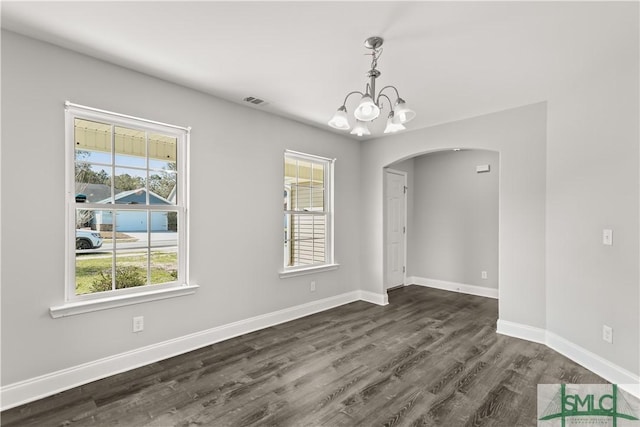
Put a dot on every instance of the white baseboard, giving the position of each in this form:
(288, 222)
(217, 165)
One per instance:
(373, 298)
(454, 286)
(16, 394)
(32, 389)
(615, 374)
(599, 365)
(525, 332)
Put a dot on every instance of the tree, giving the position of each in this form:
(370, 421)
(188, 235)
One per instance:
(126, 182)
(163, 183)
(84, 173)
(85, 176)
(83, 218)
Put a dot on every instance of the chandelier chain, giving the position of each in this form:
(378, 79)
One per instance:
(375, 55)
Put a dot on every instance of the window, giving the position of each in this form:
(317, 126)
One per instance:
(126, 205)
(308, 212)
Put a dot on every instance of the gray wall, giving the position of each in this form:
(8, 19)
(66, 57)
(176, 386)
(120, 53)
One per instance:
(519, 136)
(234, 259)
(592, 184)
(569, 168)
(454, 230)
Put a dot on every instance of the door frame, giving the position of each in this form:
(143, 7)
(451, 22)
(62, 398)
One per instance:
(404, 174)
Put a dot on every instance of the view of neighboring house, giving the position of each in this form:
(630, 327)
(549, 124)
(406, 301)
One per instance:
(134, 221)
(93, 192)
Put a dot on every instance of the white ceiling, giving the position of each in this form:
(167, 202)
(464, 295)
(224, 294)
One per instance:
(449, 60)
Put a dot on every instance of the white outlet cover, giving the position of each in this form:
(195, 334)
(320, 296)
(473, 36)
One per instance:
(607, 333)
(138, 324)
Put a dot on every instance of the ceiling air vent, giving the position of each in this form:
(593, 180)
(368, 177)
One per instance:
(255, 101)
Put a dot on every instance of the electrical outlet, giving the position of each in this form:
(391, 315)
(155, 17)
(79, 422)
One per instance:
(312, 287)
(607, 333)
(484, 274)
(138, 324)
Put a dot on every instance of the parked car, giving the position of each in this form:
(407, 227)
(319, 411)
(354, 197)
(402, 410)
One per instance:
(88, 239)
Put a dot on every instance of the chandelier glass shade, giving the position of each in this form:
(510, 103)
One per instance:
(393, 124)
(367, 110)
(340, 119)
(404, 113)
(360, 128)
(370, 104)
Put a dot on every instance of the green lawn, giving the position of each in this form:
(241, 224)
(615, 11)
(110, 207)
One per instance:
(88, 268)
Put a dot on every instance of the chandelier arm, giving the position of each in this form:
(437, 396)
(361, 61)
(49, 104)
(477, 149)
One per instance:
(386, 87)
(380, 94)
(344, 103)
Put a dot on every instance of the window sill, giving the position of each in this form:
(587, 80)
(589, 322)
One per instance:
(308, 270)
(73, 308)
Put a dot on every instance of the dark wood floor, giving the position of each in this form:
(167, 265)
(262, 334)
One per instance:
(430, 358)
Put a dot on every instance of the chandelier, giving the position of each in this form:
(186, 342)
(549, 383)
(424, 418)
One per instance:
(370, 103)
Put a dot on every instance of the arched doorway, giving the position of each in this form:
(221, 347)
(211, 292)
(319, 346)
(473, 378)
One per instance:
(451, 221)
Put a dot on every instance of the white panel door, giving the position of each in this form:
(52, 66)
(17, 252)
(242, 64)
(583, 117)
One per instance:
(395, 228)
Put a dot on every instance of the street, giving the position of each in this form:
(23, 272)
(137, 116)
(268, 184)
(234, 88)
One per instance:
(164, 240)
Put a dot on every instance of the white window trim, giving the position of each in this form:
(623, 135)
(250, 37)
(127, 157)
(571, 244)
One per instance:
(77, 304)
(88, 306)
(301, 271)
(329, 263)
